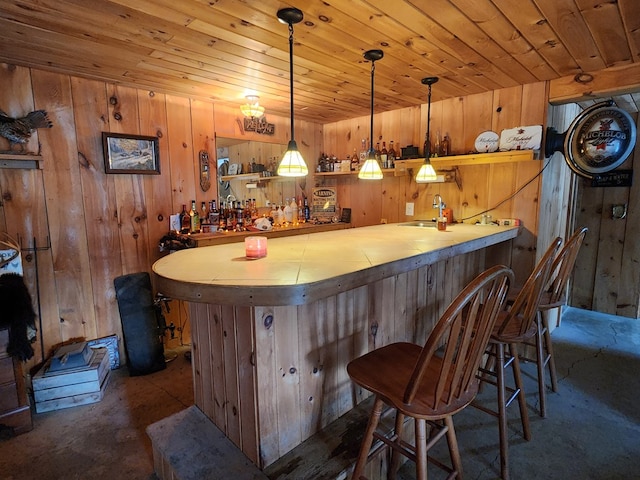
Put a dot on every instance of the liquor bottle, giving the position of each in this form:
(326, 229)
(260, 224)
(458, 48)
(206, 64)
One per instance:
(204, 217)
(445, 146)
(301, 217)
(288, 214)
(363, 153)
(306, 210)
(294, 211)
(214, 214)
(222, 218)
(195, 218)
(279, 215)
(384, 156)
(437, 146)
(377, 151)
(391, 159)
(230, 215)
(239, 225)
(185, 220)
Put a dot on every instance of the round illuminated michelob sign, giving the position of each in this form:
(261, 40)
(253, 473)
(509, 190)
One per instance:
(599, 140)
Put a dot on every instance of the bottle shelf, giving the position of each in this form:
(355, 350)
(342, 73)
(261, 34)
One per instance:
(465, 160)
(253, 177)
(482, 158)
(335, 174)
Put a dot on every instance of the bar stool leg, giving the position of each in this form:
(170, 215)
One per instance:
(395, 455)
(367, 441)
(421, 449)
(522, 400)
(549, 348)
(454, 452)
(502, 413)
(540, 364)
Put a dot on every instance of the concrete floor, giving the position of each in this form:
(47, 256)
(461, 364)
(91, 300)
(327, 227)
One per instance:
(592, 430)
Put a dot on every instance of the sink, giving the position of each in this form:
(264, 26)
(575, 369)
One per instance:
(419, 223)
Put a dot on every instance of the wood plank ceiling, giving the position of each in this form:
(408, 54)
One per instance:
(223, 50)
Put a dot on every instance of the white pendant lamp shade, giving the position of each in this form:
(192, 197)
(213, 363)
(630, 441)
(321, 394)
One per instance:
(371, 168)
(426, 173)
(292, 163)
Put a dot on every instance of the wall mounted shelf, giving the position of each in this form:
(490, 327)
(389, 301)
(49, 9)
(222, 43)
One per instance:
(15, 160)
(253, 177)
(336, 174)
(450, 161)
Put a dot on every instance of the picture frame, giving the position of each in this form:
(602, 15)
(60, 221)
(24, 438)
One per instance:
(130, 154)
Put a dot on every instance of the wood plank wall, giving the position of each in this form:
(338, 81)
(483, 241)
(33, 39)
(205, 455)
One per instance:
(90, 227)
(607, 278)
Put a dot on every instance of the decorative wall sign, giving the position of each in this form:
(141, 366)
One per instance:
(617, 178)
(487, 142)
(259, 125)
(205, 174)
(521, 138)
(598, 140)
(125, 153)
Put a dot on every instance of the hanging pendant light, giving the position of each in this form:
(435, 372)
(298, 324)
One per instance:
(252, 108)
(292, 163)
(371, 168)
(427, 173)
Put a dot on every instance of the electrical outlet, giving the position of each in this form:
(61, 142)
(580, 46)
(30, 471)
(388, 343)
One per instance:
(408, 209)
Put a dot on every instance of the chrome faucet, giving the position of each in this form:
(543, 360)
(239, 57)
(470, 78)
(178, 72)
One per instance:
(439, 204)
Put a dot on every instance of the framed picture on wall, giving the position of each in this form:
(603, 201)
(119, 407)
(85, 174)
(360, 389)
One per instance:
(124, 153)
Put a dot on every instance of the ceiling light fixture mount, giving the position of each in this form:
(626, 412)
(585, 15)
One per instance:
(252, 108)
(292, 163)
(371, 168)
(427, 173)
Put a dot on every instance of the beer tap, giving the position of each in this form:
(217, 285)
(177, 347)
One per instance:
(439, 204)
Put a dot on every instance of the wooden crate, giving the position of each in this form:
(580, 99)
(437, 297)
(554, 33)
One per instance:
(72, 387)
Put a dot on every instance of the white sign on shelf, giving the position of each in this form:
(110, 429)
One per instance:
(521, 138)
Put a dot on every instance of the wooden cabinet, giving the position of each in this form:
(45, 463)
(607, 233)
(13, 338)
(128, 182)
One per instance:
(15, 412)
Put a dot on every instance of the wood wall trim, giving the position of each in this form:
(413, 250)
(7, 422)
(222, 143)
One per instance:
(591, 85)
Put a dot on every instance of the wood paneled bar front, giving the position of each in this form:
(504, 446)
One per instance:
(271, 337)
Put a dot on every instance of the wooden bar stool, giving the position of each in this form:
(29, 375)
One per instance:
(515, 325)
(430, 383)
(553, 296)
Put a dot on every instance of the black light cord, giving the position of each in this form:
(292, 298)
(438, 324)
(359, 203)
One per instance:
(371, 151)
(522, 187)
(291, 74)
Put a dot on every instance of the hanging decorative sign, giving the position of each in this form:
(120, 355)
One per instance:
(259, 125)
(205, 175)
(598, 140)
(521, 138)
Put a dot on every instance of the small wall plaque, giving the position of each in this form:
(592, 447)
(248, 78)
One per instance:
(617, 178)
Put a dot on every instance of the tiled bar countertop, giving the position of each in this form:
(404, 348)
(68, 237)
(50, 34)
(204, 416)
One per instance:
(305, 268)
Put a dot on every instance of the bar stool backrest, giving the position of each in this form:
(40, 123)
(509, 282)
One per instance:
(519, 319)
(562, 268)
(460, 338)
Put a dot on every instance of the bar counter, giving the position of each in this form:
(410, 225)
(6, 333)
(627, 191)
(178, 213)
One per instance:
(271, 337)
